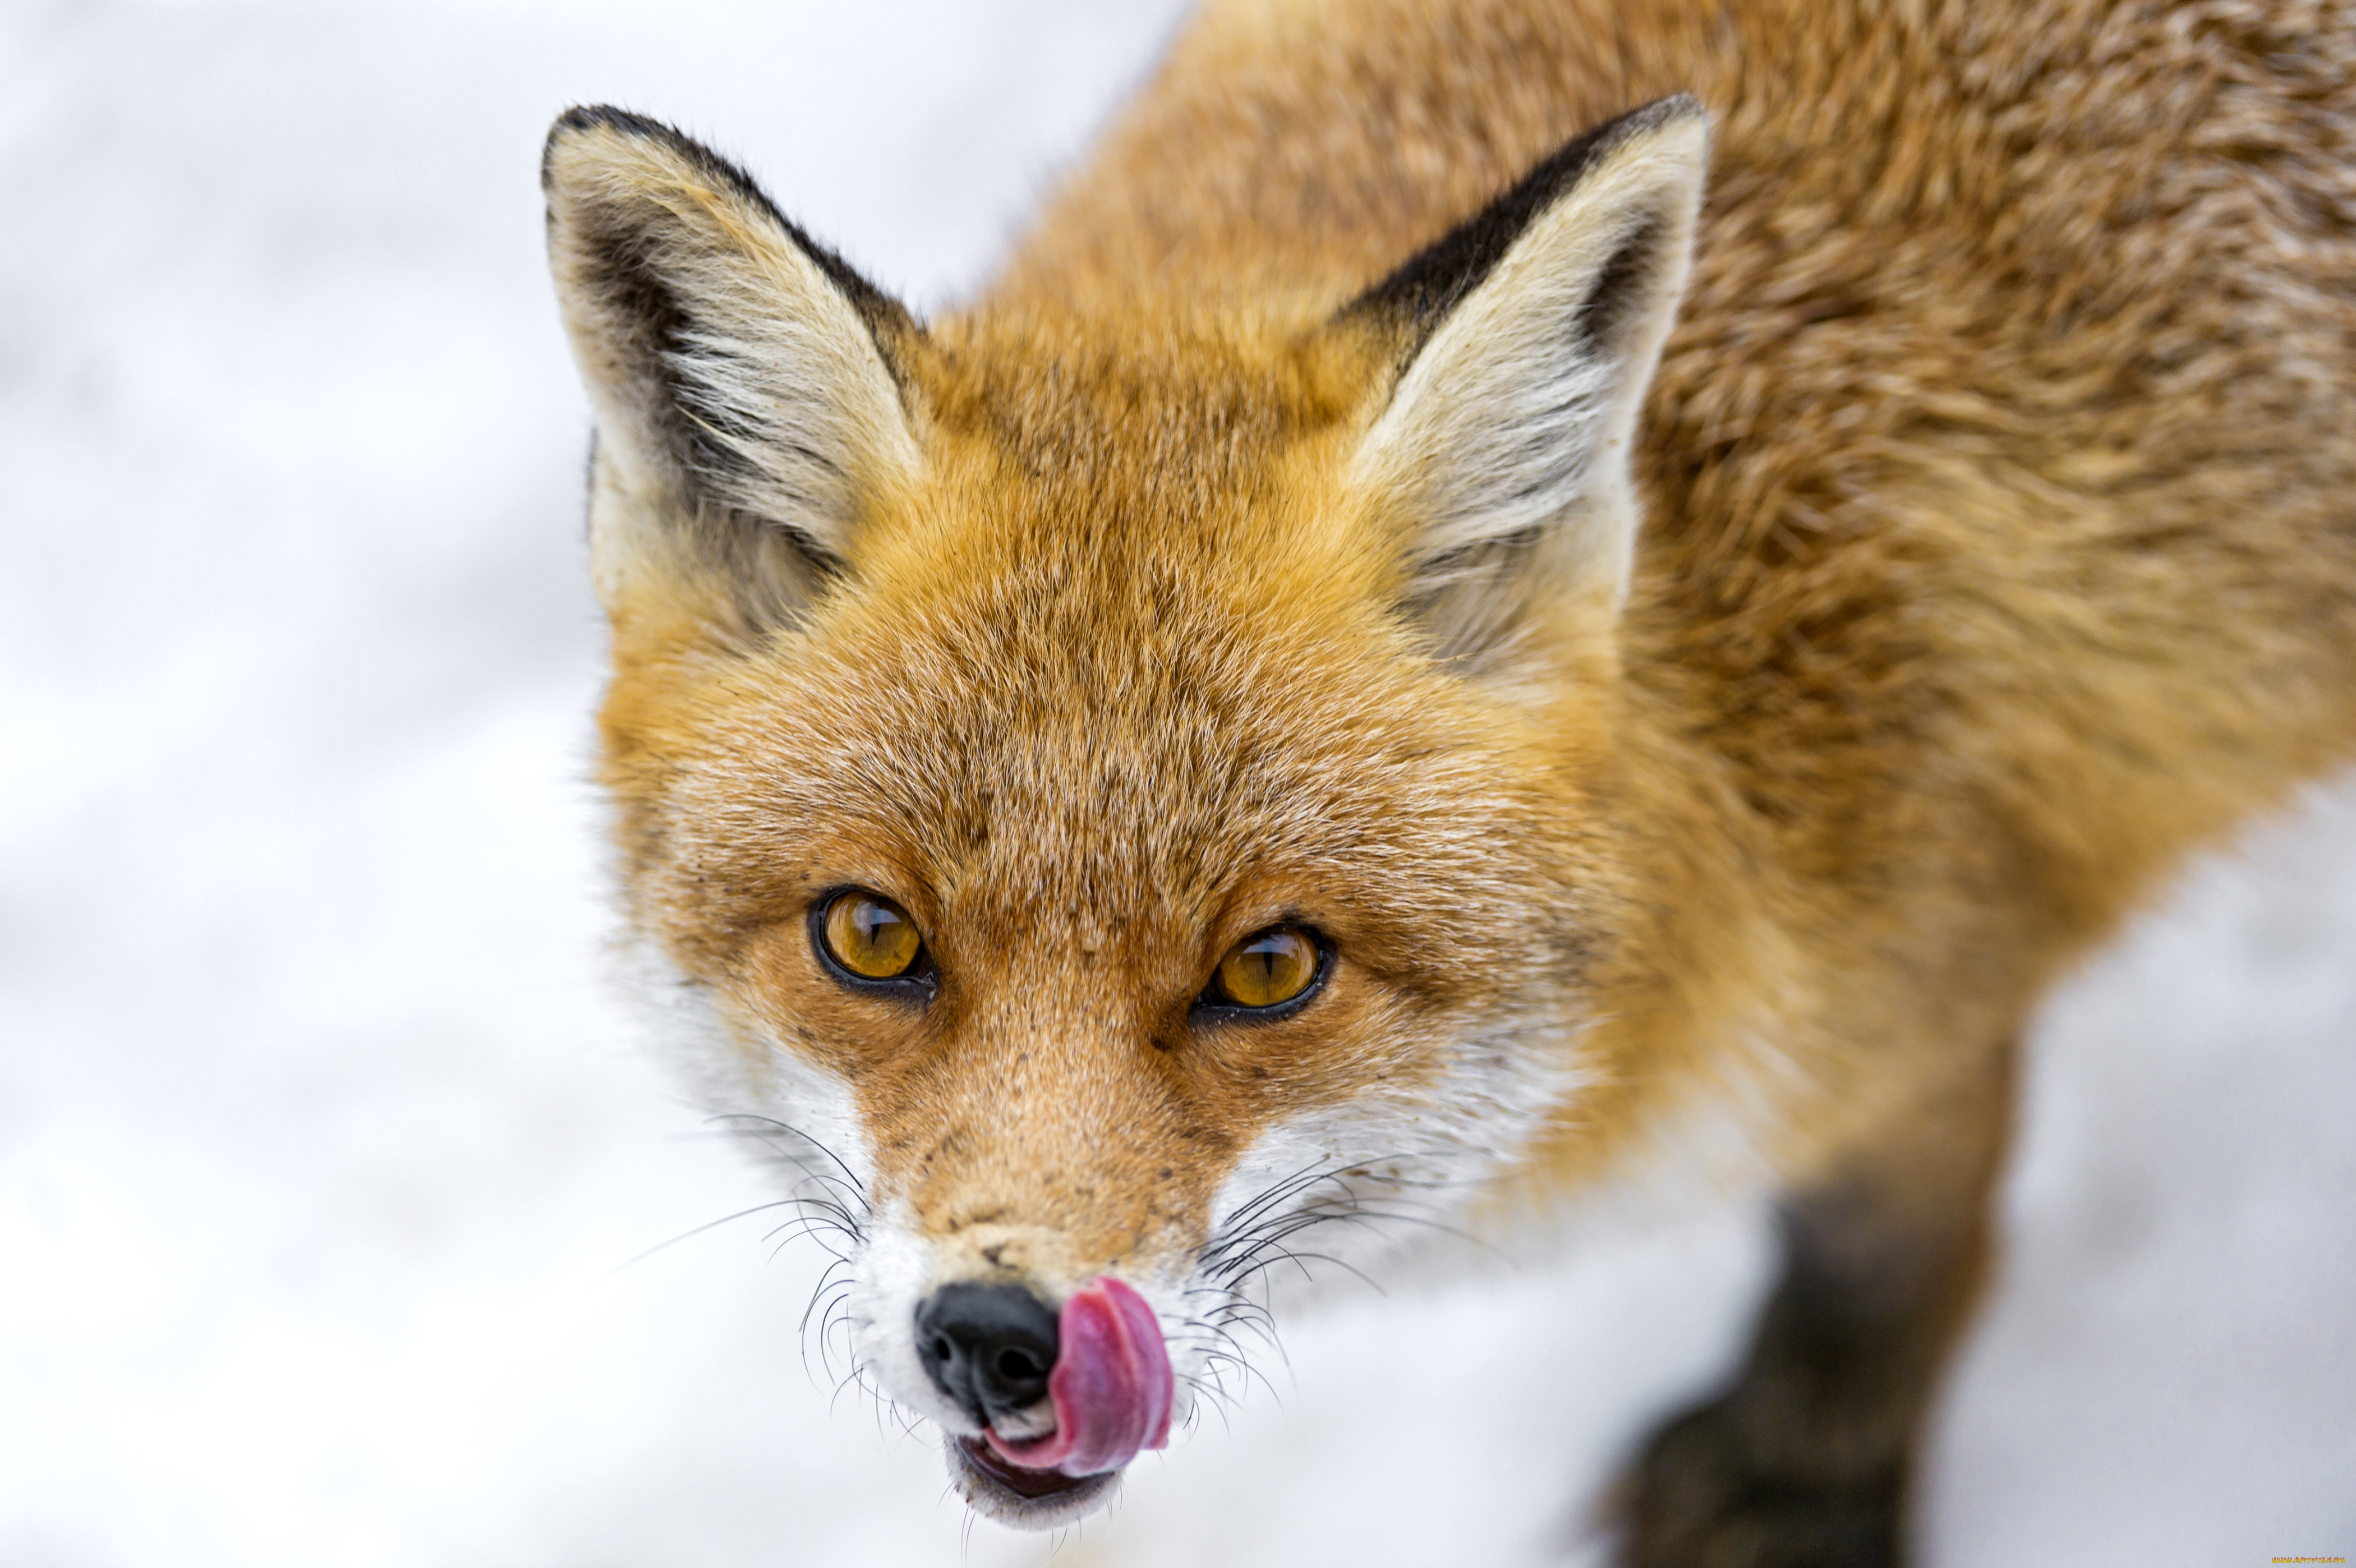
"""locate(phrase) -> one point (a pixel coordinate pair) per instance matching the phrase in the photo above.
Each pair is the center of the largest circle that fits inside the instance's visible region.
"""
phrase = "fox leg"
(1805, 1461)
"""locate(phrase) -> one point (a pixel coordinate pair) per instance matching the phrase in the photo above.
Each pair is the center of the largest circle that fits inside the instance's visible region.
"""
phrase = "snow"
(323, 1139)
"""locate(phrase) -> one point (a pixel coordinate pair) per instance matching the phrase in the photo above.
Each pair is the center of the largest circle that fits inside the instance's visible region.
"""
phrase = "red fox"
(1496, 583)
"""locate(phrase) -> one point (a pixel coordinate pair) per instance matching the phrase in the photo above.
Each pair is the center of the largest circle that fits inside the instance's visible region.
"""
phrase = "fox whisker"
(697, 1231)
(761, 1128)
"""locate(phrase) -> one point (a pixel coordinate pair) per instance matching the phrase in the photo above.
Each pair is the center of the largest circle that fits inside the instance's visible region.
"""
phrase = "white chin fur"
(992, 1498)
(1408, 1162)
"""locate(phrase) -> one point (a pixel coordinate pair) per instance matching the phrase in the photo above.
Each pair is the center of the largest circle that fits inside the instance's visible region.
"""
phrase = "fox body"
(1676, 563)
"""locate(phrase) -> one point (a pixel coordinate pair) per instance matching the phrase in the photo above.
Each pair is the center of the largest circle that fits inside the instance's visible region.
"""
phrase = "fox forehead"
(1118, 661)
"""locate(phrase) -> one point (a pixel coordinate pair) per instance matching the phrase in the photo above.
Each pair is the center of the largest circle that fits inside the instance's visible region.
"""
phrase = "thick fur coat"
(1703, 618)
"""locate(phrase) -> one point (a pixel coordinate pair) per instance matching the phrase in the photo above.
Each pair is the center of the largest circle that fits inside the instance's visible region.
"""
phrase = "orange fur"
(1997, 545)
(1998, 550)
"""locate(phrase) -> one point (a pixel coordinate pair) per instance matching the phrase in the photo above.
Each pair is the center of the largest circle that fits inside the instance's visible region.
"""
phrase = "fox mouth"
(1108, 1398)
(1015, 1495)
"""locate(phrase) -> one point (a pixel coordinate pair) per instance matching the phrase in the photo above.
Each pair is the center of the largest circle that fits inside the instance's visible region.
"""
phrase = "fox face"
(1123, 789)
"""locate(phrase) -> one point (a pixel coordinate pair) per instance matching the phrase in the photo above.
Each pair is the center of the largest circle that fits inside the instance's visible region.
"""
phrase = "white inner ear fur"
(775, 369)
(1506, 442)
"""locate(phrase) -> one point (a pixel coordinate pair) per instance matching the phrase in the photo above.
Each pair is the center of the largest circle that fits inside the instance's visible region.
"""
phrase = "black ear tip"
(590, 118)
(1676, 106)
(1679, 108)
(1430, 284)
(582, 119)
(1661, 114)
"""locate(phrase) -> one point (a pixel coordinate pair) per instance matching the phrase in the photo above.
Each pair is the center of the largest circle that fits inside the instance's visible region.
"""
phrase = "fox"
(1498, 599)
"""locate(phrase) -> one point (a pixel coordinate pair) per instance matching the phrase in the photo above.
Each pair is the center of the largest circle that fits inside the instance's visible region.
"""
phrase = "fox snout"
(1060, 1395)
(989, 1349)
(1078, 1391)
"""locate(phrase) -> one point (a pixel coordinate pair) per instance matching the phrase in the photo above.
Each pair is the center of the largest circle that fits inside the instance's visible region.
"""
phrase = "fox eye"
(869, 938)
(1267, 969)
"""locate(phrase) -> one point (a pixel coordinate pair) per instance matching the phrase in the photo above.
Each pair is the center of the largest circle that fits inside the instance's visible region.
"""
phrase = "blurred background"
(324, 1140)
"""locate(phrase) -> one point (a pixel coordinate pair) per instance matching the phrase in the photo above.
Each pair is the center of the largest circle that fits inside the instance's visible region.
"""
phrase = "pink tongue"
(1111, 1386)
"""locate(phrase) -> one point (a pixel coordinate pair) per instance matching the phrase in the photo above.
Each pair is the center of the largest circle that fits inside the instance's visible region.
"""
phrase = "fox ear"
(742, 374)
(1527, 338)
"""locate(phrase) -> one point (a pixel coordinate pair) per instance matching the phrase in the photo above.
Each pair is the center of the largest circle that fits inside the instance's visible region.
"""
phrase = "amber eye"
(871, 937)
(1267, 969)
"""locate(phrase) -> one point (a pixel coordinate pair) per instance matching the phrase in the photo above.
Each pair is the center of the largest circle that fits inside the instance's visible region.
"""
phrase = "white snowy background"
(322, 1138)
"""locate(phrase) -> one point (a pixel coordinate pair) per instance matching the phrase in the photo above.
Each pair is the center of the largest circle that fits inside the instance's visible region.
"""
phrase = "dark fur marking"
(639, 300)
(1807, 1459)
(1433, 282)
(705, 435)
(883, 315)
(1606, 310)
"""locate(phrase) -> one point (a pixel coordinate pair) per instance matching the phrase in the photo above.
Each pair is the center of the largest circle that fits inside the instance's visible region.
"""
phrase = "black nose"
(987, 1347)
